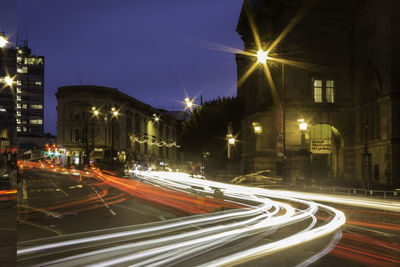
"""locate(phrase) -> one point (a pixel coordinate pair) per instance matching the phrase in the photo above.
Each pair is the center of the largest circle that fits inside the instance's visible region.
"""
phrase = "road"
(71, 218)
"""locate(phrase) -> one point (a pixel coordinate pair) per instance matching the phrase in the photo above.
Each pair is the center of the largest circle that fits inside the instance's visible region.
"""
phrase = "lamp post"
(366, 160)
(262, 58)
(112, 113)
(230, 140)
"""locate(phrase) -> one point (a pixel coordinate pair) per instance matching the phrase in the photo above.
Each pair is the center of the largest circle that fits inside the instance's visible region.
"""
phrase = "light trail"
(254, 211)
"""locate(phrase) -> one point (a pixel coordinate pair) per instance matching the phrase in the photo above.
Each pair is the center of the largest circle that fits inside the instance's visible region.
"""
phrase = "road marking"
(54, 214)
(41, 227)
(102, 200)
(60, 190)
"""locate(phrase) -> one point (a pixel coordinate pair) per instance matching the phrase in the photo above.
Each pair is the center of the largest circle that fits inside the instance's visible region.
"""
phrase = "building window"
(36, 106)
(330, 92)
(18, 129)
(317, 91)
(76, 135)
(18, 105)
(18, 113)
(324, 91)
(19, 90)
(24, 106)
(18, 121)
(38, 83)
(18, 97)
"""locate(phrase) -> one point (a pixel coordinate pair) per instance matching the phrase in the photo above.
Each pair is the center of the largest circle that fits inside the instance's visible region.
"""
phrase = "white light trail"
(265, 212)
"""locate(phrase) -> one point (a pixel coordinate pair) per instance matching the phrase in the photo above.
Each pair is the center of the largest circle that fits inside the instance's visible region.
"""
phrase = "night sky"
(158, 51)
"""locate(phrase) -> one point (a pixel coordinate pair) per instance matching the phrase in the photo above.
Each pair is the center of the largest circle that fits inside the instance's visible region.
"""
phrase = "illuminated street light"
(188, 102)
(231, 140)
(156, 118)
(262, 56)
(115, 113)
(9, 81)
(3, 41)
(302, 125)
(96, 112)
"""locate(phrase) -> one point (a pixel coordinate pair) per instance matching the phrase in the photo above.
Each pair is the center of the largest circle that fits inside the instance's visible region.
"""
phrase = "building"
(22, 95)
(338, 80)
(29, 90)
(8, 69)
(93, 121)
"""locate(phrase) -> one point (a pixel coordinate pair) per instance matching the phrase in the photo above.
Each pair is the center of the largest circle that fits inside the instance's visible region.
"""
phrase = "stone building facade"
(95, 120)
(339, 74)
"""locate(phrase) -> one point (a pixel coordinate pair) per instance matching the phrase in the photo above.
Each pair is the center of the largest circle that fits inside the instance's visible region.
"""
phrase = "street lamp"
(112, 113)
(262, 56)
(3, 40)
(9, 81)
(303, 128)
(231, 140)
(189, 103)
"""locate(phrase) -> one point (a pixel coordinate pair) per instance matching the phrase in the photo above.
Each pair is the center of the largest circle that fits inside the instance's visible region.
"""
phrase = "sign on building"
(321, 139)
(321, 146)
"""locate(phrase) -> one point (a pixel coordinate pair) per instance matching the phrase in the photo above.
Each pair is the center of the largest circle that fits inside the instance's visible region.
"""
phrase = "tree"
(207, 129)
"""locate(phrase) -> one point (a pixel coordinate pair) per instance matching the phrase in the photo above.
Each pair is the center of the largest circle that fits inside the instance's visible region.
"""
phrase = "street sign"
(321, 146)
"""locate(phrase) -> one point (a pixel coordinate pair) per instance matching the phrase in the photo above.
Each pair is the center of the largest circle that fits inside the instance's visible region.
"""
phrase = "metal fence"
(356, 192)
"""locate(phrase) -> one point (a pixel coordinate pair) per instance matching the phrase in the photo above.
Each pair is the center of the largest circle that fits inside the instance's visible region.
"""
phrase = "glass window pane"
(317, 83)
(317, 94)
(330, 83)
(330, 98)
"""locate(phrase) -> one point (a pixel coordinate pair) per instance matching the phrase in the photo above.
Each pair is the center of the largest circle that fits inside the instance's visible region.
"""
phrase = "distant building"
(22, 94)
(96, 123)
(347, 93)
(29, 90)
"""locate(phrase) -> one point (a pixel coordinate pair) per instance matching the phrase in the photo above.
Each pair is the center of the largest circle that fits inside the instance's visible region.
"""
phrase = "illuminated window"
(19, 82)
(24, 69)
(36, 106)
(24, 106)
(18, 97)
(19, 59)
(38, 83)
(330, 91)
(318, 91)
(35, 121)
(18, 113)
(24, 129)
(18, 105)
(19, 70)
(18, 121)
(324, 91)
(18, 129)
(19, 90)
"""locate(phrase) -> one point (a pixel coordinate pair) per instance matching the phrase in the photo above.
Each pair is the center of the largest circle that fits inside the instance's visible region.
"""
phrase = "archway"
(326, 147)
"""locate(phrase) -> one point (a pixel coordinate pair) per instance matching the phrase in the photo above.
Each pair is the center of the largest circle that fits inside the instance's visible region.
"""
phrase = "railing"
(356, 192)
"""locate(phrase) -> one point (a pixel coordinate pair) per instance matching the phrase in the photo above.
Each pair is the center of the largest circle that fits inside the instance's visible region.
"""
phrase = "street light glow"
(96, 112)
(262, 56)
(302, 125)
(231, 141)
(189, 103)
(115, 112)
(3, 41)
(9, 81)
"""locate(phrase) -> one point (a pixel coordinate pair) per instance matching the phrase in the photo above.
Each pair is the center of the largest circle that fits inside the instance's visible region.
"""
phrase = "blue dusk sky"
(158, 51)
